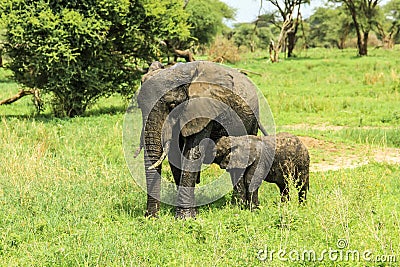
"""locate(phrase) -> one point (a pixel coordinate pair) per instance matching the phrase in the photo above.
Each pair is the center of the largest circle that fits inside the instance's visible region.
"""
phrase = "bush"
(223, 50)
(80, 51)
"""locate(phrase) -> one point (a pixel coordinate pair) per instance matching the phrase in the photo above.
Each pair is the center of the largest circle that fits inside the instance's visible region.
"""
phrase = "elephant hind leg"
(284, 190)
(303, 185)
(253, 202)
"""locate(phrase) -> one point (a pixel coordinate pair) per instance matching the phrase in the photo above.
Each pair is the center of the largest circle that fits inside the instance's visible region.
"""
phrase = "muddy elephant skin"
(206, 95)
(253, 159)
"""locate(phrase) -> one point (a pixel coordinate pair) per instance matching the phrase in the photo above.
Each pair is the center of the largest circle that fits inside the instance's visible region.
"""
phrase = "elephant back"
(214, 83)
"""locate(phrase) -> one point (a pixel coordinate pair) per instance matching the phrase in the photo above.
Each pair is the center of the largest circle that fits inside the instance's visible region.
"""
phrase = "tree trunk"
(360, 46)
(291, 43)
(274, 52)
(292, 32)
(387, 38)
(364, 44)
(186, 54)
(275, 48)
(362, 36)
(388, 42)
(252, 47)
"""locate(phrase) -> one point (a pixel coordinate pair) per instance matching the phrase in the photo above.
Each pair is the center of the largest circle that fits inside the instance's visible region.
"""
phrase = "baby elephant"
(252, 159)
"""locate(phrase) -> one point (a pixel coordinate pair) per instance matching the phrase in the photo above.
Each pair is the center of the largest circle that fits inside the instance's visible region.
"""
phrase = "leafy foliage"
(388, 23)
(330, 27)
(363, 14)
(249, 35)
(80, 51)
(206, 19)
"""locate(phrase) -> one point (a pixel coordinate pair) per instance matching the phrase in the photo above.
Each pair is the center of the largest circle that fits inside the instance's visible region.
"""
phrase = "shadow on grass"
(127, 207)
(112, 110)
(5, 80)
(221, 203)
(50, 118)
(296, 58)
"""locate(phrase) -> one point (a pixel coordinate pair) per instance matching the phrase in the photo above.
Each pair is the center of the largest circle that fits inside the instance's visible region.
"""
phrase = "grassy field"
(67, 197)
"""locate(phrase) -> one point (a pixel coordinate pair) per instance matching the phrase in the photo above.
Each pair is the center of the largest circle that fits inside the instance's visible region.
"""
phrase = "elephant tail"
(137, 152)
(262, 129)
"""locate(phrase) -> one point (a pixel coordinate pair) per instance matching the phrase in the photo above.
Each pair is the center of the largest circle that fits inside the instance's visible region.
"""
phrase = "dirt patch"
(326, 155)
(327, 127)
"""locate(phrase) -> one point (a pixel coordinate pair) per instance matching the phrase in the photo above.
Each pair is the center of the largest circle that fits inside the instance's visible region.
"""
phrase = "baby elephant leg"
(303, 185)
(251, 196)
(284, 190)
(239, 190)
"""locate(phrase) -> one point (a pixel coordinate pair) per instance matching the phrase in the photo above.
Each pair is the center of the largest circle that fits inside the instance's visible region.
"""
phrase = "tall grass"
(67, 197)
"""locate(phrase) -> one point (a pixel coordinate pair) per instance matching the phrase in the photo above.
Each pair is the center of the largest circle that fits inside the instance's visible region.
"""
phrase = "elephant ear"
(210, 94)
(242, 154)
(201, 108)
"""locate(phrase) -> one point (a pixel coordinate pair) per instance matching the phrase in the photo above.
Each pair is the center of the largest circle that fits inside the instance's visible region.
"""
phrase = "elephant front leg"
(186, 198)
(239, 190)
(191, 166)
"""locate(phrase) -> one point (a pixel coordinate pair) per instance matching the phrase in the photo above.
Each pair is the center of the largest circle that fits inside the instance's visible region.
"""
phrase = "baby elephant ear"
(243, 153)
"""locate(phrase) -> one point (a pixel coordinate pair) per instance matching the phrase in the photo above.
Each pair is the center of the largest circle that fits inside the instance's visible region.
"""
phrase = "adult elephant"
(183, 106)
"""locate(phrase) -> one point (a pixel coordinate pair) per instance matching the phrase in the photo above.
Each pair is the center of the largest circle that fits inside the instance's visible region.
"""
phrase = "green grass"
(331, 87)
(67, 197)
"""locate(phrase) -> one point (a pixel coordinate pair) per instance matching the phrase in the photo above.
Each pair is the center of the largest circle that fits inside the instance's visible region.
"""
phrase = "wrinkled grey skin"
(251, 159)
(161, 92)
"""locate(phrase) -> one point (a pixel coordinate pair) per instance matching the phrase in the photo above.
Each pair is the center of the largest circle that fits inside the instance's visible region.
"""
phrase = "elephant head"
(235, 153)
(248, 159)
(210, 92)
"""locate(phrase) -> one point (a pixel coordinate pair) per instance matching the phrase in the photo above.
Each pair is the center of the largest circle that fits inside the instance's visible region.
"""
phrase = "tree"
(330, 27)
(286, 9)
(206, 19)
(80, 51)
(363, 14)
(388, 23)
(245, 34)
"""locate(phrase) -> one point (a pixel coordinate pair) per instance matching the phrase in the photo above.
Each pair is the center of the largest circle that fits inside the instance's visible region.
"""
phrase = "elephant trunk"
(152, 154)
(153, 150)
(153, 182)
(161, 159)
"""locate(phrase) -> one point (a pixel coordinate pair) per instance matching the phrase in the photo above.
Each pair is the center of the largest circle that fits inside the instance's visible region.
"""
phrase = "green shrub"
(82, 50)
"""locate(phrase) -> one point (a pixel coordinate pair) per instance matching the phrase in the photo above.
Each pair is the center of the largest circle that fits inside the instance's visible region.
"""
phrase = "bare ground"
(327, 127)
(327, 155)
